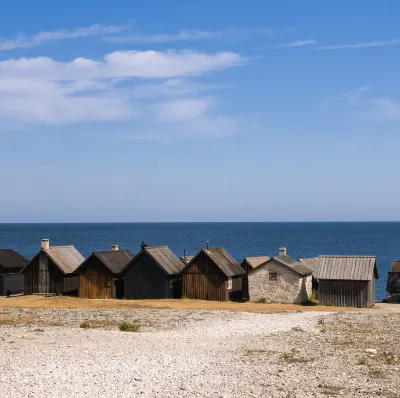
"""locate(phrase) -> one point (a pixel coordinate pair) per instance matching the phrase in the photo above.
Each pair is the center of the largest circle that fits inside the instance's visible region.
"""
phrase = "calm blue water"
(240, 239)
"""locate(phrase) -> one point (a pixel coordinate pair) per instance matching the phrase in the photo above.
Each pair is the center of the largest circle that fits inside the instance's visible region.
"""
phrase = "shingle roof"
(66, 258)
(395, 266)
(165, 258)
(311, 263)
(293, 264)
(358, 268)
(114, 260)
(255, 261)
(224, 261)
(11, 259)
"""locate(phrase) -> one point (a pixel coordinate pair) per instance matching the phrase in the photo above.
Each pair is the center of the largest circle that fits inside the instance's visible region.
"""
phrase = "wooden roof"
(66, 258)
(223, 260)
(356, 268)
(254, 262)
(114, 260)
(164, 257)
(11, 259)
(186, 259)
(395, 266)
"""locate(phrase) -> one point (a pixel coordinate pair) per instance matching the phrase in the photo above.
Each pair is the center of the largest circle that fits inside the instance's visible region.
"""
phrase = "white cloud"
(166, 105)
(120, 64)
(24, 41)
(190, 34)
(298, 43)
(361, 45)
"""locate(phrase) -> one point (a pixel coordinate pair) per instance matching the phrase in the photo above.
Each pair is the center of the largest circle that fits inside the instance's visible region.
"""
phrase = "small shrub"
(85, 325)
(60, 295)
(315, 295)
(330, 304)
(309, 303)
(128, 327)
(262, 300)
(362, 361)
(184, 298)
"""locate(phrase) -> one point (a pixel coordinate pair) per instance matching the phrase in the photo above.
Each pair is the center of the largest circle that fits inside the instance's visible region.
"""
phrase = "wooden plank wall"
(42, 276)
(202, 280)
(11, 284)
(344, 293)
(144, 279)
(95, 281)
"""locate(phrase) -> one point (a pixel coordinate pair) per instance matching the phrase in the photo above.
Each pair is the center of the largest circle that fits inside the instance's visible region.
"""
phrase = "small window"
(273, 276)
(171, 283)
(229, 282)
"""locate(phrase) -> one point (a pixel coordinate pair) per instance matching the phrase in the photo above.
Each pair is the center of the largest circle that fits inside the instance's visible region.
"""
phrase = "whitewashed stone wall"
(289, 288)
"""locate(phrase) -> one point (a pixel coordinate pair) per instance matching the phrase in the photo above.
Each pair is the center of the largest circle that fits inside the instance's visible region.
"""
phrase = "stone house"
(281, 279)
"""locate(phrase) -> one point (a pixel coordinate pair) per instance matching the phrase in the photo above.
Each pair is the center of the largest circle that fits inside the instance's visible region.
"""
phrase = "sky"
(227, 110)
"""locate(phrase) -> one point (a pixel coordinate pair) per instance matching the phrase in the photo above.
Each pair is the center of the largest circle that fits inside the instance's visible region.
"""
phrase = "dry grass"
(187, 304)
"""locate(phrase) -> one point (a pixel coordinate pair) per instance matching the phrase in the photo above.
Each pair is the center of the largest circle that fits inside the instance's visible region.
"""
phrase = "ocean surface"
(381, 239)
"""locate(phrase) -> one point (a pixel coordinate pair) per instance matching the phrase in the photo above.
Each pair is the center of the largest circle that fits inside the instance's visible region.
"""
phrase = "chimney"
(282, 251)
(45, 244)
(114, 247)
(184, 253)
(207, 242)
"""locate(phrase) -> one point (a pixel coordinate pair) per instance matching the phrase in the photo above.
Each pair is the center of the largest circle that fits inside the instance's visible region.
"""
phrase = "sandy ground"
(71, 302)
(198, 353)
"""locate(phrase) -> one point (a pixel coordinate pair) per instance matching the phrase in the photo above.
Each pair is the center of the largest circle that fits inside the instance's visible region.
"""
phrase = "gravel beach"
(196, 353)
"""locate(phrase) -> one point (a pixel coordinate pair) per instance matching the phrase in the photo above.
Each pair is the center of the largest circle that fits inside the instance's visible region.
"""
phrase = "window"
(171, 283)
(273, 276)
(229, 283)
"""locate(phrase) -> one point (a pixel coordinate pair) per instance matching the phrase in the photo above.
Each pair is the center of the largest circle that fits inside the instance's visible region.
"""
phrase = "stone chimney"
(282, 251)
(45, 244)
(114, 247)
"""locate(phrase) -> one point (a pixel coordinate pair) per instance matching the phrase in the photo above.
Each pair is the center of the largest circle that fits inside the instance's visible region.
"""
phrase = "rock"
(371, 350)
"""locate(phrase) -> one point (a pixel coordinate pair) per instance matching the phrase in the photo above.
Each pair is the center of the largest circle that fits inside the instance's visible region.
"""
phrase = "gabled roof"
(186, 259)
(395, 266)
(357, 268)
(163, 257)
(114, 260)
(291, 263)
(66, 258)
(11, 259)
(223, 260)
(311, 263)
(254, 262)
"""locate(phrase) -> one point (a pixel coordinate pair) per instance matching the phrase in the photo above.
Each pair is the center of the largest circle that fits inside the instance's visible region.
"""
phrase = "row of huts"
(212, 274)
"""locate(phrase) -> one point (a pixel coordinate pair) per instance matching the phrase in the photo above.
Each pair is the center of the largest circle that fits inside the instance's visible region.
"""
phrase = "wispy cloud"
(190, 34)
(170, 103)
(298, 43)
(361, 45)
(24, 41)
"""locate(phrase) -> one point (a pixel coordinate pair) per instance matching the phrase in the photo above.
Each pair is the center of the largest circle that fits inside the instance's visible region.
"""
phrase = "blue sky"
(199, 111)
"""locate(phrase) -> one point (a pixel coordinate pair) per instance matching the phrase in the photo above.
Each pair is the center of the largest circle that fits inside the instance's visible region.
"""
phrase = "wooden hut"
(153, 274)
(393, 282)
(11, 264)
(248, 264)
(213, 275)
(52, 270)
(281, 279)
(347, 281)
(99, 274)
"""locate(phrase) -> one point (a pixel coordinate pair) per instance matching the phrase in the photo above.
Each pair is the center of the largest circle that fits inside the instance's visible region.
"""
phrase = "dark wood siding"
(346, 293)
(393, 283)
(11, 284)
(71, 285)
(204, 281)
(96, 280)
(144, 279)
(42, 276)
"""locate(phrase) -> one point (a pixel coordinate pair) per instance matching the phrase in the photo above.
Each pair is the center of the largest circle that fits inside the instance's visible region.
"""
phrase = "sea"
(306, 239)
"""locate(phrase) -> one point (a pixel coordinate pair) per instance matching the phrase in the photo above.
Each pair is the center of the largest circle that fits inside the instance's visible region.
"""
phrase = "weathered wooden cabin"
(213, 274)
(153, 274)
(99, 274)
(281, 279)
(393, 282)
(347, 281)
(11, 264)
(52, 270)
(248, 264)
